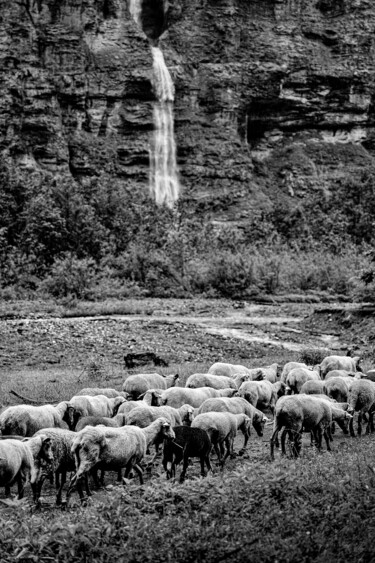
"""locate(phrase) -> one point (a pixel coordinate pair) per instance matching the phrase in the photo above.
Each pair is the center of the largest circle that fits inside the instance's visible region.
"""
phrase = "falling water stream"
(164, 181)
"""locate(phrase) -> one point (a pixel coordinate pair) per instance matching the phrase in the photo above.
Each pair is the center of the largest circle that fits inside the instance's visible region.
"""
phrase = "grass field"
(317, 508)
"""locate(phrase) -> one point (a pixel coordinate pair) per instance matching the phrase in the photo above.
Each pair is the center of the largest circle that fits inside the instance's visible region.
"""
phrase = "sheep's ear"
(265, 419)
(176, 377)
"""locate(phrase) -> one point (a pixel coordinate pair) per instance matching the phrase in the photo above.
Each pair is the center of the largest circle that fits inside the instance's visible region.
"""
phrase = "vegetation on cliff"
(100, 239)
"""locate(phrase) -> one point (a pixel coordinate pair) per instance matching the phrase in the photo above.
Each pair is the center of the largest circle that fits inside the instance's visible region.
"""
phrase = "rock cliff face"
(274, 98)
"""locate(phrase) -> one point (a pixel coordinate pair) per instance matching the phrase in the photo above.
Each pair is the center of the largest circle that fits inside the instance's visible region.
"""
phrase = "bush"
(71, 277)
(312, 356)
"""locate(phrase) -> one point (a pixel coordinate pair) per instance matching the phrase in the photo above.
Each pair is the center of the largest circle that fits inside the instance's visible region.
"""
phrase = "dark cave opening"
(153, 18)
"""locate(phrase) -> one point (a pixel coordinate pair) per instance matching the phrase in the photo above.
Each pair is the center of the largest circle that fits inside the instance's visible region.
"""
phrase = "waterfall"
(164, 182)
(135, 9)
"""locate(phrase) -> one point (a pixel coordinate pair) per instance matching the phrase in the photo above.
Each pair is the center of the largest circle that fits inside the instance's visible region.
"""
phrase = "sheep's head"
(166, 429)
(152, 397)
(187, 414)
(344, 422)
(357, 361)
(258, 375)
(87, 448)
(279, 388)
(71, 416)
(259, 421)
(117, 401)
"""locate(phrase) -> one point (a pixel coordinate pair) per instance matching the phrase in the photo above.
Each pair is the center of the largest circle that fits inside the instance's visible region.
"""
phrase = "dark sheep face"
(71, 417)
(258, 424)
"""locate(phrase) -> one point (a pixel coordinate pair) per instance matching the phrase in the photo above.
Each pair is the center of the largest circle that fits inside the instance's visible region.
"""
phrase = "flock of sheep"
(102, 429)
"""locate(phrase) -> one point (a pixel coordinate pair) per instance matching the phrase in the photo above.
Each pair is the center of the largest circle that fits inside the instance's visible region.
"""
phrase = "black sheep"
(189, 442)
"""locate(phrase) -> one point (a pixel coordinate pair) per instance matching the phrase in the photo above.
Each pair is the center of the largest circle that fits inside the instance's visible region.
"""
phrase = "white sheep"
(314, 387)
(361, 399)
(344, 373)
(152, 398)
(107, 391)
(136, 385)
(143, 416)
(178, 396)
(261, 394)
(97, 405)
(236, 405)
(270, 372)
(297, 377)
(25, 420)
(339, 362)
(227, 370)
(298, 413)
(222, 429)
(288, 367)
(115, 421)
(337, 388)
(18, 458)
(208, 380)
(115, 448)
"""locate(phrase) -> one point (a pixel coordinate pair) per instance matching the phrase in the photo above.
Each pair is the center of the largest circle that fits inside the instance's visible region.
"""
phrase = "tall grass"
(317, 508)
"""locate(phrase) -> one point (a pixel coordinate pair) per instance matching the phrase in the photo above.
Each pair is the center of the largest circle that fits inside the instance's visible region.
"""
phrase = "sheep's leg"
(371, 421)
(351, 426)
(87, 486)
(319, 437)
(184, 468)
(139, 470)
(218, 453)
(21, 480)
(61, 485)
(283, 439)
(274, 440)
(230, 448)
(246, 439)
(368, 426)
(37, 488)
(329, 433)
(327, 438)
(94, 474)
(360, 423)
(202, 460)
(208, 463)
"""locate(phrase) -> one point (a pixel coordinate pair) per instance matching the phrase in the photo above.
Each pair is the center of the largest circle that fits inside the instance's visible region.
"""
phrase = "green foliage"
(312, 356)
(129, 246)
(364, 282)
(317, 508)
(71, 277)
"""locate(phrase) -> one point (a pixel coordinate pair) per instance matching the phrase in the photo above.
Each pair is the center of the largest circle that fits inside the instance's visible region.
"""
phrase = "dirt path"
(180, 334)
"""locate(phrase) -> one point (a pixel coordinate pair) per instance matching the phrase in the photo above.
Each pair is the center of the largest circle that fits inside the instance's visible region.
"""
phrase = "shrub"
(71, 277)
(312, 356)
